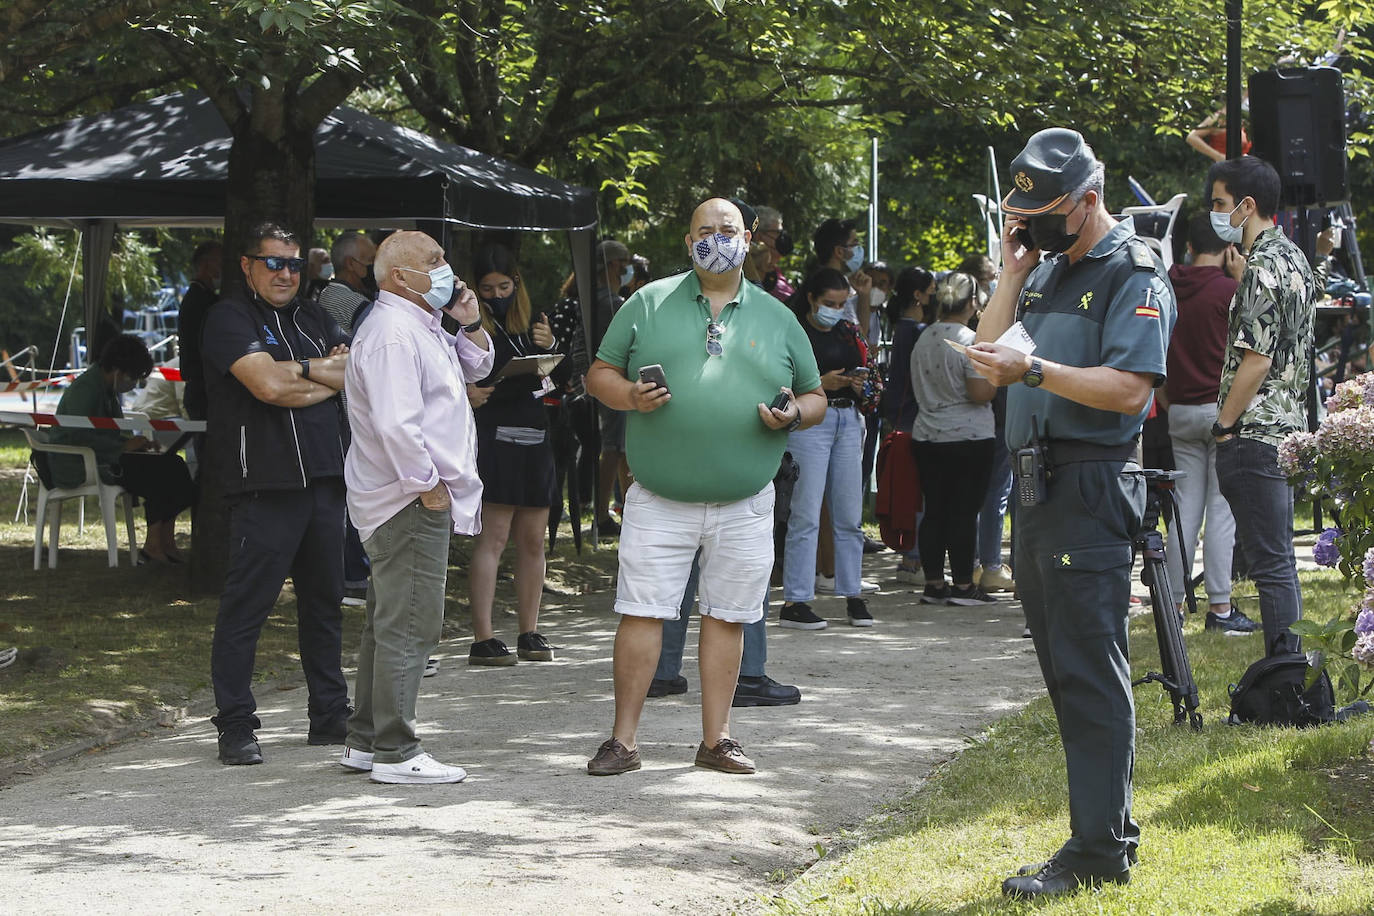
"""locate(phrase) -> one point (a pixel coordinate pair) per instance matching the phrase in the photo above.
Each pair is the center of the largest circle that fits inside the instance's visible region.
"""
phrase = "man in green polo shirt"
(703, 452)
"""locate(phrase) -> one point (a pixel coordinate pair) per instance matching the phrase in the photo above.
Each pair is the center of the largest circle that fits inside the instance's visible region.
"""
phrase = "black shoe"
(332, 731)
(354, 597)
(533, 647)
(872, 546)
(1053, 879)
(1132, 857)
(238, 746)
(799, 616)
(969, 596)
(764, 691)
(660, 687)
(491, 652)
(935, 594)
(610, 528)
(857, 609)
(1233, 624)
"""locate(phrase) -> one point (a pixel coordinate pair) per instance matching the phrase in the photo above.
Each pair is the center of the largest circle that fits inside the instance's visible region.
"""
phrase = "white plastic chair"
(109, 495)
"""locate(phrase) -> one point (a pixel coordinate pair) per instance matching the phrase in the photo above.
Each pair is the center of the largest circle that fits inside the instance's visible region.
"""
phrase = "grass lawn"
(101, 647)
(1233, 820)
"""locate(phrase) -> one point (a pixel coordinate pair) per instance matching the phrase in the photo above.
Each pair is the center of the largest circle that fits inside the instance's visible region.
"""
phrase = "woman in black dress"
(514, 459)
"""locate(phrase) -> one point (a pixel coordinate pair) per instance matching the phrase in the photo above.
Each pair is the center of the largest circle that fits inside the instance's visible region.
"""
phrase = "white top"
(411, 420)
(938, 375)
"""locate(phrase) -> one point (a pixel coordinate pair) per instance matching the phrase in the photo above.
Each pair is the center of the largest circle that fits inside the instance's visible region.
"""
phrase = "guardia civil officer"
(1100, 311)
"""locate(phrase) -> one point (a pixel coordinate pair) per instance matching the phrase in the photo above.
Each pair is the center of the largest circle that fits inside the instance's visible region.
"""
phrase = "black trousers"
(954, 480)
(273, 534)
(161, 480)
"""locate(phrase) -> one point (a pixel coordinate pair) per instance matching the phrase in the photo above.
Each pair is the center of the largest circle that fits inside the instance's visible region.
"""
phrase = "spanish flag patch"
(1148, 309)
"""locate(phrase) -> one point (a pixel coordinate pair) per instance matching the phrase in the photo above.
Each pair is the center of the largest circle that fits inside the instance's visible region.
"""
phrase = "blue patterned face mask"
(720, 253)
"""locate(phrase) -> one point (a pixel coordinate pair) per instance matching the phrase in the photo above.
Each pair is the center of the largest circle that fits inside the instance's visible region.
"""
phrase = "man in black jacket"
(274, 363)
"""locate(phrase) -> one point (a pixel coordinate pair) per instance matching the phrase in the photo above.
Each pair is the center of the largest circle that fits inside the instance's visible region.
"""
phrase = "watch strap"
(305, 368)
(475, 326)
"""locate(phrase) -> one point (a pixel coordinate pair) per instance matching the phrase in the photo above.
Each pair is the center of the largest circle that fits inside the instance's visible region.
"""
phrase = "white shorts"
(660, 536)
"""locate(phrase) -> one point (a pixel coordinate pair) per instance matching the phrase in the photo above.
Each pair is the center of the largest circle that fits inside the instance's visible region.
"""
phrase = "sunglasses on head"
(276, 262)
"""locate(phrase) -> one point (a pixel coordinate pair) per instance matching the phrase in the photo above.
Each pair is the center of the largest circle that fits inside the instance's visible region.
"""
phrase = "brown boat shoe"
(612, 759)
(726, 757)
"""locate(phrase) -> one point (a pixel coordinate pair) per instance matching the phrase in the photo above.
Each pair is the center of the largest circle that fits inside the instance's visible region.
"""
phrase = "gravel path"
(158, 824)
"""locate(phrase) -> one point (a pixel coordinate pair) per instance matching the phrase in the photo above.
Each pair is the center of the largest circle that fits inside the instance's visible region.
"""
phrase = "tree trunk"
(271, 177)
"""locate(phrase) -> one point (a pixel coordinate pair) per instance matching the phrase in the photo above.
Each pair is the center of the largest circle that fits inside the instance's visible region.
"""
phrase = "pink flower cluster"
(1363, 652)
(1348, 434)
(1298, 453)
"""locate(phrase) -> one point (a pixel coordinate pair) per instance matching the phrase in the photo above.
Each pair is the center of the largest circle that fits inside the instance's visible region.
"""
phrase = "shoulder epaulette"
(1141, 255)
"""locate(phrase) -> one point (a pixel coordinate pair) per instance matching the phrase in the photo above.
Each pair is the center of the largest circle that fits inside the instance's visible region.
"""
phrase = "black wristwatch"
(475, 326)
(305, 368)
(1035, 374)
(796, 422)
(1218, 430)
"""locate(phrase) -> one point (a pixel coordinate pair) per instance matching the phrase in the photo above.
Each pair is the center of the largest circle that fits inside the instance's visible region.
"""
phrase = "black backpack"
(1273, 691)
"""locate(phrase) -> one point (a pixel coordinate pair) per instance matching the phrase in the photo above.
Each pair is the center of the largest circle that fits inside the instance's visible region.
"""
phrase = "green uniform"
(707, 444)
(1114, 307)
(87, 396)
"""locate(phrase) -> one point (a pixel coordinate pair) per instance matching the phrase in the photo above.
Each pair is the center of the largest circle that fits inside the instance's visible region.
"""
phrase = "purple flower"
(1364, 623)
(1297, 453)
(1325, 552)
(1369, 566)
(1364, 650)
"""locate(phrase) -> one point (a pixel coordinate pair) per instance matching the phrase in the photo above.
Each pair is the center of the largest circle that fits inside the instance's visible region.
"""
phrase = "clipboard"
(539, 364)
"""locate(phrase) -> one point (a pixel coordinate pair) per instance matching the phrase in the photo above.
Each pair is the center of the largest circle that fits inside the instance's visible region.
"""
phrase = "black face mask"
(783, 243)
(1049, 232)
(369, 281)
(499, 306)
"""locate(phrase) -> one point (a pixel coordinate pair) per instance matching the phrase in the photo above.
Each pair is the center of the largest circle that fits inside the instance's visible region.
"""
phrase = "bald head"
(400, 257)
(715, 215)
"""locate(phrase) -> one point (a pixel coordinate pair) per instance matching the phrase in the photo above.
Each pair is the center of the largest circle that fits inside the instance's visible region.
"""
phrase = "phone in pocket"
(654, 374)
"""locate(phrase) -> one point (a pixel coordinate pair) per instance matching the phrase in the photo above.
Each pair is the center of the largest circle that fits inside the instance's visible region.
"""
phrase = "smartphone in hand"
(782, 401)
(654, 374)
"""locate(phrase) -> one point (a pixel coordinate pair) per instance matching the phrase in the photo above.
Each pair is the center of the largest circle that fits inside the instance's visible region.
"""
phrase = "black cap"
(1053, 164)
(747, 214)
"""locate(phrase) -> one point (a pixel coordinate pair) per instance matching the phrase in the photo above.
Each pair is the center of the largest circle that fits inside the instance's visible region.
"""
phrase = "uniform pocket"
(1090, 588)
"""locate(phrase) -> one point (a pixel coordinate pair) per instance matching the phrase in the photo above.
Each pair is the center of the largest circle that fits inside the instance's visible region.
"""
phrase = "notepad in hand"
(539, 364)
(957, 347)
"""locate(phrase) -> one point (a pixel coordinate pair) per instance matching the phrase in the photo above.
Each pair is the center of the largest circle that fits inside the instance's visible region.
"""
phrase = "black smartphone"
(782, 401)
(654, 373)
(1023, 236)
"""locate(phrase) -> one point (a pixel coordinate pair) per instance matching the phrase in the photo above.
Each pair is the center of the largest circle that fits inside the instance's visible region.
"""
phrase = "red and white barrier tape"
(51, 419)
(170, 373)
(32, 386)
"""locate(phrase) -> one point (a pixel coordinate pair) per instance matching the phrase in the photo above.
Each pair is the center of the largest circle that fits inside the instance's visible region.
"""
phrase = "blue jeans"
(675, 638)
(1262, 503)
(994, 505)
(830, 458)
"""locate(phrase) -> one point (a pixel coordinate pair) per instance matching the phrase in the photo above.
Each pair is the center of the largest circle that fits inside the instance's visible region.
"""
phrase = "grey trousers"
(405, 615)
(1199, 494)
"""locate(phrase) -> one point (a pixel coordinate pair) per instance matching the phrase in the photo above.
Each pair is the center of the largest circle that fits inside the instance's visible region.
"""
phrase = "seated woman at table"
(132, 462)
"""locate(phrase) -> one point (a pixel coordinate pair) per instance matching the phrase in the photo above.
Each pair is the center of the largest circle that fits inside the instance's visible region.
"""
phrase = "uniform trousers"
(273, 534)
(1073, 571)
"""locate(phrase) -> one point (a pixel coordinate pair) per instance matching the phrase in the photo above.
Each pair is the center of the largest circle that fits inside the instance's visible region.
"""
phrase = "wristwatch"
(475, 326)
(1035, 374)
(796, 421)
(305, 368)
(1218, 430)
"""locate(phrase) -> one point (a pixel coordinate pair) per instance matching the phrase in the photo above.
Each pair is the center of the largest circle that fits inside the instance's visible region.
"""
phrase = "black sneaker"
(354, 597)
(661, 687)
(799, 616)
(490, 652)
(857, 609)
(969, 596)
(332, 731)
(764, 691)
(1233, 624)
(238, 746)
(935, 594)
(533, 647)
(872, 546)
(610, 528)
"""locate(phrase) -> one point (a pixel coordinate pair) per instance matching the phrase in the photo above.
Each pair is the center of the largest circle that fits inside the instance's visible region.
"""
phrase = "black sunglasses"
(277, 262)
(714, 347)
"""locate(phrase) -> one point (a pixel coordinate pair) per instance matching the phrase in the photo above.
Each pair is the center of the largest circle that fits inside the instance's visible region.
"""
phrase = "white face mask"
(720, 253)
(440, 286)
(1221, 225)
(327, 271)
(627, 275)
(827, 317)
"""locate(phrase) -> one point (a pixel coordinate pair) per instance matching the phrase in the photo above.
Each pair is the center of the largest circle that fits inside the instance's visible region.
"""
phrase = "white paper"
(1017, 338)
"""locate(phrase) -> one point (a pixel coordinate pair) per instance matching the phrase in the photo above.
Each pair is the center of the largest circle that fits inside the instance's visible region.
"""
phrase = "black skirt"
(514, 475)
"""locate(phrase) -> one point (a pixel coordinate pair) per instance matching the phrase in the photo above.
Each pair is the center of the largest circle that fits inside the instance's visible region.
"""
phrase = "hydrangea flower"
(1348, 434)
(1369, 566)
(1297, 453)
(1325, 552)
(1348, 395)
(1364, 623)
(1364, 650)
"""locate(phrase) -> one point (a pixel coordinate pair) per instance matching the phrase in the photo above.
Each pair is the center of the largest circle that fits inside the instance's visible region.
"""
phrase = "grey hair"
(955, 292)
(1095, 181)
(345, 247)
(769, 218)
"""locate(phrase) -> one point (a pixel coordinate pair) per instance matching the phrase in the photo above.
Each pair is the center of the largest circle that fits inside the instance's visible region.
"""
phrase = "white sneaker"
(421, 769)
(431, 667)
(825, 584)
(867, 585)
(354, 759)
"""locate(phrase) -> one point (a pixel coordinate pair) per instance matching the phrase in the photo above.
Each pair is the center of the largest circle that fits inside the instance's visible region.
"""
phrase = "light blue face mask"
(827, 317)
(627, 275)
(856, 260)
(440, 285)
(1221, 225)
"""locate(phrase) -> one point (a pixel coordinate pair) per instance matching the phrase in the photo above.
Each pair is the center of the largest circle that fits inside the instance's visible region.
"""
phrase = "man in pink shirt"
(412, 482)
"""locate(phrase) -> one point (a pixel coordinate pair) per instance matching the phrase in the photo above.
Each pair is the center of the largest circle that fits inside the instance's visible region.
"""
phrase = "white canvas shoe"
(421, 769)
(354, 759)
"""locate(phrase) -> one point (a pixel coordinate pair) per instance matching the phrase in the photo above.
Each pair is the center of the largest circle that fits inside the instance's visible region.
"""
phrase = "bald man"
(698, 360)
(412, 483)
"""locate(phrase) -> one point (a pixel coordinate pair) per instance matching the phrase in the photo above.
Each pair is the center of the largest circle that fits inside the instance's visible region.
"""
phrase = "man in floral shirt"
(1264, 383)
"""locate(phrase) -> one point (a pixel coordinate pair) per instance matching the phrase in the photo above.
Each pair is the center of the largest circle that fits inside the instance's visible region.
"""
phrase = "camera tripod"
(1177, 677)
